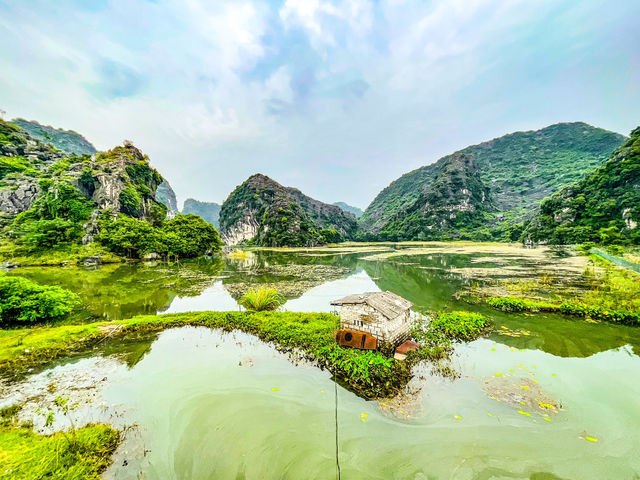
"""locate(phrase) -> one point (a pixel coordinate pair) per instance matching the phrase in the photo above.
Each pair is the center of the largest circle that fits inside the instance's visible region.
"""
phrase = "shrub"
(129, 236)
(189, 236)
(262, 299)
(16, 164)
(130, 201)
(185, 236)
(51, 233)
(24, 301)
(460, 326)
(511, 304)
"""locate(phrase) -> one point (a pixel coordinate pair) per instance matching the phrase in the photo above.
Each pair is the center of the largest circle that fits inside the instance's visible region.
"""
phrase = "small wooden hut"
(384, 315)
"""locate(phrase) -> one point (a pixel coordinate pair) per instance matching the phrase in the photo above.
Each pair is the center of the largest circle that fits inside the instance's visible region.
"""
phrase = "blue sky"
(335, 97)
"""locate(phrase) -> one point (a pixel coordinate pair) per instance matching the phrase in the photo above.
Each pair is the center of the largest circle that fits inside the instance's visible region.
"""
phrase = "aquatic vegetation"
(24, 301)
(262, 299)
(25, 455)
(239, 255)
(445, 327)
(515, 304)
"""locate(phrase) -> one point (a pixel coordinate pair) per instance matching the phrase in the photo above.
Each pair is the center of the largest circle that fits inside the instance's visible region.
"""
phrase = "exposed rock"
(91, 261)
(166, 195)
(18, 199)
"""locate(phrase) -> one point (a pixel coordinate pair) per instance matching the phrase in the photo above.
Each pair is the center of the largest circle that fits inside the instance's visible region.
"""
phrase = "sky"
(335, 97)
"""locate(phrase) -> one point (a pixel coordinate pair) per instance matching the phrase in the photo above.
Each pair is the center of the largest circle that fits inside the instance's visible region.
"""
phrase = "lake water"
(208, 404)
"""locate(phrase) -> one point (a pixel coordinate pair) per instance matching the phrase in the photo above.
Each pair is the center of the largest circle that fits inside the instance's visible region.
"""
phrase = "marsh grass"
(25, 455)
(239, 255)
(262, 299)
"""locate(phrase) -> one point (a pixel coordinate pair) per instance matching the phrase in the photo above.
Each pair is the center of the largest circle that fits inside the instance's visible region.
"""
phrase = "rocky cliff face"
(120, 180)
(22, 161)
(266, 213)
(517, 171)
(67, 140)
(604, 206)
(209, 211)
(166, 196)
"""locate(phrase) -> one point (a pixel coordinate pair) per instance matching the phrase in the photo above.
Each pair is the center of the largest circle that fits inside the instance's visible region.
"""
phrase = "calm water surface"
(215, 405)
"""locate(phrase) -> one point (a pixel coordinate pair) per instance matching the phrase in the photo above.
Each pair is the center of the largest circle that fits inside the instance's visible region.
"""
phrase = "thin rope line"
(335, 385)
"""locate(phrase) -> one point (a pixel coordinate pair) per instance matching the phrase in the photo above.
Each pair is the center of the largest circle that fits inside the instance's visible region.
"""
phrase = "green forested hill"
(455, 201)
(264, 212)
(602, 207)
(349, 209)
(515, 172)
(209, 211)
(67, 140)
(52, 201)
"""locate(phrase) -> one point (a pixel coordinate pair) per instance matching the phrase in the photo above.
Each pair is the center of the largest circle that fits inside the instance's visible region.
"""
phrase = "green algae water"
(542, 397)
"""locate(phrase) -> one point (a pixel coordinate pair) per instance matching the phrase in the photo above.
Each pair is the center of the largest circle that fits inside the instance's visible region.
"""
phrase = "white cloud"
(337, 97)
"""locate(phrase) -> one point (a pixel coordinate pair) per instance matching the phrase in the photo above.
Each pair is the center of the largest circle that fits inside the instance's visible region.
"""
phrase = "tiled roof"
(387, 303)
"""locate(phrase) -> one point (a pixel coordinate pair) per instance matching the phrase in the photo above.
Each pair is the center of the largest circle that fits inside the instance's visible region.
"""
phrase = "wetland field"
(530, 399)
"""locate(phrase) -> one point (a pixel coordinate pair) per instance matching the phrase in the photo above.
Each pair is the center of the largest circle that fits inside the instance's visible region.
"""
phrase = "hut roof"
(387, 303)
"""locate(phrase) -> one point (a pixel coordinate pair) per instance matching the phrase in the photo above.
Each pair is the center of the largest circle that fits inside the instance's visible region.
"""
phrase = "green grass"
(370, 374)
(262, 299)
(71, 254)
(25, 455)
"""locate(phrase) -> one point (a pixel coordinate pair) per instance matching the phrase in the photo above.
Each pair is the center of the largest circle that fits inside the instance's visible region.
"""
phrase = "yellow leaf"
(274, 389)
(547, 419)
(498, 374)
(524, 387)
(591, 439)
(524, 413)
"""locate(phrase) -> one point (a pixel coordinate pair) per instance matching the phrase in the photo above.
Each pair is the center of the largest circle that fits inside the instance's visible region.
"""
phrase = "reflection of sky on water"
(213, 298)
(318, 298)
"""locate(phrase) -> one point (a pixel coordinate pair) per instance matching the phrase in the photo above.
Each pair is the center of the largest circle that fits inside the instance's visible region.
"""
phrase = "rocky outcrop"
(264, 212)
(18, 199)
(244, 229)
(120, 180)
(166, 196)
